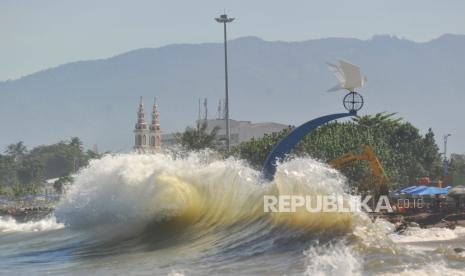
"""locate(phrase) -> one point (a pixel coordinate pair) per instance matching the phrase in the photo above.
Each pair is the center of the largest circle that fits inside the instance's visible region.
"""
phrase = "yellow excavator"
(379, 184)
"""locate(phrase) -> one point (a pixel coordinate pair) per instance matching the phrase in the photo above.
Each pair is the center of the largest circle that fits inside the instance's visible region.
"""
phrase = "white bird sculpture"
(349, 76)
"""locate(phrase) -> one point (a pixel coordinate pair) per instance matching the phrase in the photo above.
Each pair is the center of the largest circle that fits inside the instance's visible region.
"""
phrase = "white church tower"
(155, 133)
(141, 132)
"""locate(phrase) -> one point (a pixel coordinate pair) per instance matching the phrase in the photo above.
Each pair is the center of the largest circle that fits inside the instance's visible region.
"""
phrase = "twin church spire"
(147, 138)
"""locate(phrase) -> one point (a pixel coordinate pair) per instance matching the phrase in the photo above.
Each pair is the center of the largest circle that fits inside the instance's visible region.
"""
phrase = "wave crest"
(10, 225)
(132, 191)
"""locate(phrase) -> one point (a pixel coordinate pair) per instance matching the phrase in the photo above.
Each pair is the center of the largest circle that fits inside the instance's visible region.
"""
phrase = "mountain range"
(278, 81)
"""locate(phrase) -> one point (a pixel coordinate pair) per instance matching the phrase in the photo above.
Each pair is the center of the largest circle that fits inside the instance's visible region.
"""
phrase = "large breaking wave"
(131, 192)
(211, 210)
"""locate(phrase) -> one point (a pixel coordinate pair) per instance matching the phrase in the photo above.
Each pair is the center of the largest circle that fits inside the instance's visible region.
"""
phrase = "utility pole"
(446, 172)
(224, 20)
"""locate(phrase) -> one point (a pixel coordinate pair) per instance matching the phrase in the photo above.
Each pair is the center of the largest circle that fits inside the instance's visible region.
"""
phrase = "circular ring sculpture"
(285, 145)
(353, 101)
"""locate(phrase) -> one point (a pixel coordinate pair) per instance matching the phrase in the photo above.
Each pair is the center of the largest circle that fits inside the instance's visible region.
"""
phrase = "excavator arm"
(381, 185)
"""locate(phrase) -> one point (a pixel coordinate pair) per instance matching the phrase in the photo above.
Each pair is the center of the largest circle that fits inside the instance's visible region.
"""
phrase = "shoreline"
(27, 213)
(440, 219)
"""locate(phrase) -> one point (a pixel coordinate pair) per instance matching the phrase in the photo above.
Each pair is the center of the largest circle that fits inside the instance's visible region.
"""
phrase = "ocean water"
(197, 215)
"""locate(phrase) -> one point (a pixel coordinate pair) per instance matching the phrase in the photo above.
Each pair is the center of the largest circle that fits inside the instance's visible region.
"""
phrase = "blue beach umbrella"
(431, 191)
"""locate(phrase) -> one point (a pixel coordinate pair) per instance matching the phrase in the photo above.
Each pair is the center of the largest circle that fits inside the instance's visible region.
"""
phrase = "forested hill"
(269, 81)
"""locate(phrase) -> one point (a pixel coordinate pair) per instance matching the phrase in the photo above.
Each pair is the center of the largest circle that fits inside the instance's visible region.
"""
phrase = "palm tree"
(198, 138)
(76, 142)
(377, 119)
(17, 151)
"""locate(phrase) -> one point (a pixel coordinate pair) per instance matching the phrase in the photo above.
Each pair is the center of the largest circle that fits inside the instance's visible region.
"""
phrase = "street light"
(224, 19)
(445, 154)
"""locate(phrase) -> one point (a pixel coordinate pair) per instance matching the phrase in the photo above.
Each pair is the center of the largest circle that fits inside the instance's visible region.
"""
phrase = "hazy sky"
(40, 34)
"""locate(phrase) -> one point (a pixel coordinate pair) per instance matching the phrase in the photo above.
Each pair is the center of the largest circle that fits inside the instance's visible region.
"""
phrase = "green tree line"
(23, 171)
(405, 153)
(457, 168)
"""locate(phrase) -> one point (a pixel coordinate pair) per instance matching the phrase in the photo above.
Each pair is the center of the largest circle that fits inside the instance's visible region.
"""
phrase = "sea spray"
(213, 204)
(307, 177)
(128, 192)
(202, 214)
(332, 259)
(132, 190)
(10, 225)
(417, 234)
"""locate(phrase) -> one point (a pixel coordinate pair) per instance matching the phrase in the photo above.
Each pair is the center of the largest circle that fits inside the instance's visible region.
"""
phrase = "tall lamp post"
(224, 19)
(445, 154)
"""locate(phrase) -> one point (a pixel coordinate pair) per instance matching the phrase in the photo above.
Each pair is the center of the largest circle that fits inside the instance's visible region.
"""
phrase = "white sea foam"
(334, 259)
(177, 273)
(416, 234)
(133, 190)
(200, 196)
(10, 225)
(436, 268)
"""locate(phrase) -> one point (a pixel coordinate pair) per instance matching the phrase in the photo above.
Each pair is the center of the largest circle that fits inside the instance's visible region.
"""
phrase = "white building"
(241, 131)
(147, 139)
(48, 188)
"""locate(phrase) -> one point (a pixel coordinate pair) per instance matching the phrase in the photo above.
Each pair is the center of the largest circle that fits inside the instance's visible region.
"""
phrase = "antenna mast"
(220, 110)
(199, 116)
(205, 106)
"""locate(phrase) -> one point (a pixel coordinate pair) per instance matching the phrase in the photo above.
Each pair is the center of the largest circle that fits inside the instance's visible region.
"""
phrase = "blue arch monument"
(353, 102)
